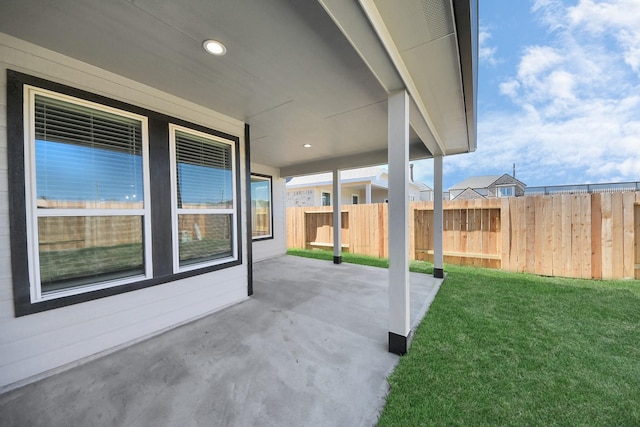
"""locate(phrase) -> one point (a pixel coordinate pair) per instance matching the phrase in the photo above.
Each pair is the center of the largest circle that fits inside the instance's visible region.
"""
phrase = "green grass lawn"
(500, 348)
(416, 266)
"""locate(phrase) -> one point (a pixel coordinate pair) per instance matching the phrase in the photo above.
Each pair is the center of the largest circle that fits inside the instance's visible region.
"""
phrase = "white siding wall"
(426, 196)
(347, 192)
(415, 192)
(379, 195)
(263, 249)
(34, 344)
(318, 194)
(316, 200)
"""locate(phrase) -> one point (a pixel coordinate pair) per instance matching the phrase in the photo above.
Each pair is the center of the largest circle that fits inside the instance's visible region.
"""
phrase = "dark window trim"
(322, 193)
(270, 177)
(247, 177)
(162, 253)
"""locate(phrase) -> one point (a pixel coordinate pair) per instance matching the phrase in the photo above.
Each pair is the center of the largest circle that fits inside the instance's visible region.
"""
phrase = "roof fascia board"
(465, 15)
(356, 181)
(417, 151)
(372, 158)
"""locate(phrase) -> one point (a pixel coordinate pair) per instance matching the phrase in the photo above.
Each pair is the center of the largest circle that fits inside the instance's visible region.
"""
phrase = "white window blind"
(84, 154)
(204, 172)
(61, 121)
(89, 218)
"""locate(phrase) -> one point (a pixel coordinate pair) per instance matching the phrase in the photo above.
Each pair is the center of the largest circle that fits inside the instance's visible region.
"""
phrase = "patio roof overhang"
(316, 73)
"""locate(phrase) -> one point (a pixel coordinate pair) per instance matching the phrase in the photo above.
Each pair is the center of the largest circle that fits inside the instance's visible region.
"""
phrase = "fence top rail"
(609, 187)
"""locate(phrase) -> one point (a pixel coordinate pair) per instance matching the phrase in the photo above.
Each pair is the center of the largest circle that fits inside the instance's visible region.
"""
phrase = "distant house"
(364, 185)
(488, 186)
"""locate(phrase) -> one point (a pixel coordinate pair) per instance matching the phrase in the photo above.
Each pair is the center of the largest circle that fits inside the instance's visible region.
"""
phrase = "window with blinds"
(88, 211)
(203, 182)
(87, 222)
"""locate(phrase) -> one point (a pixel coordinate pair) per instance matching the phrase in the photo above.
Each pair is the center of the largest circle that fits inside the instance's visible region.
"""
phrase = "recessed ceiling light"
(307, 145)
(214, 47)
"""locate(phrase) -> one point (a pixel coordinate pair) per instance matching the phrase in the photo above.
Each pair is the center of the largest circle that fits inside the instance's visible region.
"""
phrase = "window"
(84, 210)
(326, 199)
(203, 198)
(261, 214)
(505, 191)
(354, 199)
(87, 195)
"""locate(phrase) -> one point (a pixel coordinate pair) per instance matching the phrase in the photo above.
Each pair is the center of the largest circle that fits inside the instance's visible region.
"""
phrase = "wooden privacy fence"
(571, 235)
(364, 228)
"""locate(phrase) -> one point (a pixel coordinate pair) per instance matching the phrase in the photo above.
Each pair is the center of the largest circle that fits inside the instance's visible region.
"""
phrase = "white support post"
(367, 194)
(398, 146)
(438, 255)
(337, 218)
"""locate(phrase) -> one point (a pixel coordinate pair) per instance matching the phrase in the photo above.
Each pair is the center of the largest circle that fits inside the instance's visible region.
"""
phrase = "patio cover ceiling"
(316, 72)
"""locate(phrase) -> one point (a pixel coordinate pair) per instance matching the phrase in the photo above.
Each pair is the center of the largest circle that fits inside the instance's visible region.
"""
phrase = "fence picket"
(628, 238)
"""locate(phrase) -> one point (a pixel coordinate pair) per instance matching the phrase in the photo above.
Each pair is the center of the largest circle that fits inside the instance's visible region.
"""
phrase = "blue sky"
(558, 94)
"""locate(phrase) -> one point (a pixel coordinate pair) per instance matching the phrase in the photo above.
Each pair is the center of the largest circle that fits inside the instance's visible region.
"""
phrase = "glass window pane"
(78, 250)
(204, 237)
(86, 158)
(204, 171)
(260, 206)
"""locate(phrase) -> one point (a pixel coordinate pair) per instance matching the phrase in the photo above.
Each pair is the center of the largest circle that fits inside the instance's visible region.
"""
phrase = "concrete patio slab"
(308, 349)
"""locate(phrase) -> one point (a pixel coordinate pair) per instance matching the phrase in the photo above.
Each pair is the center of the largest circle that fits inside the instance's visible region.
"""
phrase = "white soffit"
(419, 40)
(297, 71)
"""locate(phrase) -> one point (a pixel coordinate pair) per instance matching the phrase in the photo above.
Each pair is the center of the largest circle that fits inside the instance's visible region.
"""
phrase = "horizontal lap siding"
(33, 344)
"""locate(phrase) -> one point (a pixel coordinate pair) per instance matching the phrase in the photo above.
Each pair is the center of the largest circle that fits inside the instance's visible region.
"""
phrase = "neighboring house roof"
(422, 186)
(468, 194)
(475, 182)
(483, 181)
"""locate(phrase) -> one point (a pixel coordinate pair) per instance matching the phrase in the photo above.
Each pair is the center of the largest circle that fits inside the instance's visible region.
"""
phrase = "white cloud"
(485, 52)
(510, 88)
(561, 84)
(631, 40)
(536, 60)
(550, 12)
(577, 115)
(620, 18)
